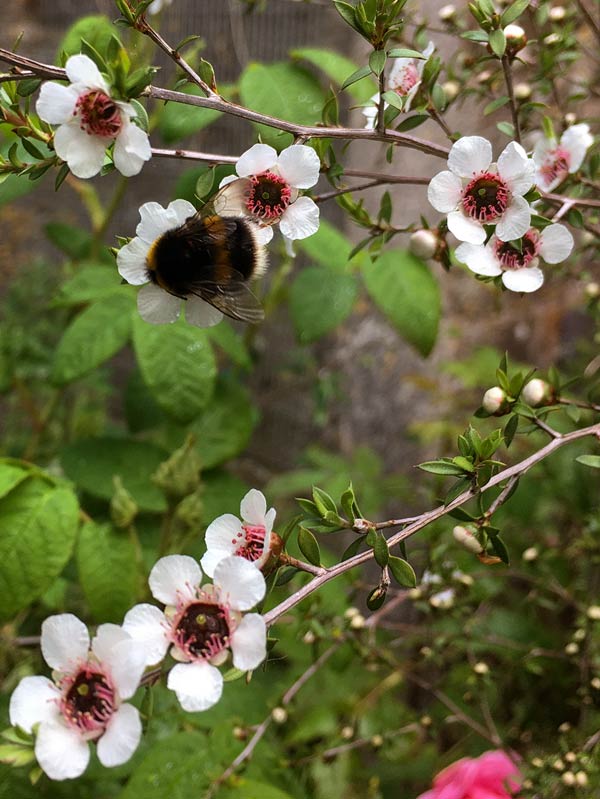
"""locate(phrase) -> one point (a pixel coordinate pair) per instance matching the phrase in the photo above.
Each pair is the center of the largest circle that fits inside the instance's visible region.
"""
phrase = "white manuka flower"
(201, 623)
(404, 79)
(250, 539)
(476, 192)
(157, 5)
(155, 304)
(554, 161)
(90, 121)
(518, 267)
(85, 701)
(271, 184)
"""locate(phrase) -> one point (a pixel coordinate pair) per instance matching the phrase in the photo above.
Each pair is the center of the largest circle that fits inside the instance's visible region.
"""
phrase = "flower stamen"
(202, 630)
(269, 196)
(556, 166)
(511, 258)
(88, 701)
(99, 115)
(486, 197)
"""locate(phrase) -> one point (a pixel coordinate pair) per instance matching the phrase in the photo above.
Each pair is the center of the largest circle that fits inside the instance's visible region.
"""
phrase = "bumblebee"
(213, 257)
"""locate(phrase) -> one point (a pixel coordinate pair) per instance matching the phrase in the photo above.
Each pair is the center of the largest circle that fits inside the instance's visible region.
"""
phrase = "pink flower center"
(486, 197)
(406, 79)
(512, 258)
(88, 701)
(99, 115)
(555, 166)
(250, 542)
(269, 196)
(202, 630)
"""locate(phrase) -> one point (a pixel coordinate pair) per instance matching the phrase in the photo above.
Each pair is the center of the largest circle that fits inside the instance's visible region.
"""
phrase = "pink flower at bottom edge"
(493, 775)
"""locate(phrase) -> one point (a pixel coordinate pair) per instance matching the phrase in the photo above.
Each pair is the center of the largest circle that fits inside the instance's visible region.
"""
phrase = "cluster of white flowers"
(200, 624)
(487, 210)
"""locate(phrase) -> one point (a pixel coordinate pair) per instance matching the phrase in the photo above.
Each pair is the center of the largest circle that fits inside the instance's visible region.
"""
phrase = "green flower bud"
(180, 474)
(123, 507)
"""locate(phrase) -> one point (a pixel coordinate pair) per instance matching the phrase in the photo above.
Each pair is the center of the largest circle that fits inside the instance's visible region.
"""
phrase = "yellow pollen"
(201, 619)
(83, 689)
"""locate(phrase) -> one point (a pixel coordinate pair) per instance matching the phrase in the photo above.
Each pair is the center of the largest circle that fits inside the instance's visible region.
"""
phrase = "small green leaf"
(593, 461)
(308, 546)
(498, 42)
(337, 67)
(443, 467)
(513, 12)
(376, 598)
(380, 550)
(402, 571)
(357, 75)
(323, 501)
(405, 52)
(377, 61)
(352, 550)
(464, 463)
(495, 105)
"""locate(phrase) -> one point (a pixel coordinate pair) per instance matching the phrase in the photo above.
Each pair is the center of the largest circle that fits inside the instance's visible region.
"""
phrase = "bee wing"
(231, 198)
(233, 298)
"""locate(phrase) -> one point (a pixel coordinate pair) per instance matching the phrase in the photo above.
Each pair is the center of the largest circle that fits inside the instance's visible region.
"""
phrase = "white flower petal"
(299, 165)
(515, 221)
(106, 638)
(211, 559)
(83, 152)
(469, 156)
(174, 577)
(240, 583)
(198, 685)
(81, 69)
(370, 113)
(465, 228)
(65, 641)
(56, 103)
(121, 738)
(259, 158)
(253, 507)
(147, 625)
(231, 200)
(201, 313)
(479, 258)
(263, 234)
(220, 533)
(516, 169)
(249, 642)
(444, 191)
(154, 221)
(60, 751)
(179, 211)
(127, 662)
(523, 280)
(556, 243)
(542, 149)
(132, 149)
(300, 219)
(228, 179)
(577, 140)
(131, 262)
(157, 306)
(270, 519)
(34, 699)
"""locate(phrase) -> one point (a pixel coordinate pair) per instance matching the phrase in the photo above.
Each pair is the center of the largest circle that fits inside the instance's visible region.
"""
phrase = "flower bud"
(443, 600)
(190, 510)
(564, 727)
(123, 507)
(357, 622)
(377, 741)
(557, 13)
(570, 757)
(558, 765)
(481, 668)
(531, 554)
(593, 612)
(515, 39)
(572, 648)
(537, 393)
(595, 683)
(537, 762)
(581, 779)
(279, 715)
(447, 13)
(464, 537)
(180, 474)
(570, 118)
(551, 39)
(592, 290)
(495, 401)
(423, 244)
(347, 733)
(522, 91)
(484, 76)
(361, 526)
(568, 778)
(309, 637)
(579, 634)
(451, 90)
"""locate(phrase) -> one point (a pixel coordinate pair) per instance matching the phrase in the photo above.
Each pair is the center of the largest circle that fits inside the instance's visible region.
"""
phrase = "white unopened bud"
(481, 668)
(357, 622)
(451, 89)
(447, 12)
(551, 39)
(595, 683)
(426, 651)
(579, 634)
(309, 637)
(464, 537)
(279, 715)
(557, 13)
(530, 554)
(350, 612)
(587, 238)
(484, 76)
(572, 648)
(570, 118)
(564, 727)
(522, 91)
(442, 600)
(537, 762)
(494, 400)
(558, 765)
(592, 290)
(423, 244)
(581, 779)
(570, 757)
(593, 612)
(425, 721)
(515, 39)
(377, 741)
(569, 778)
(347, 733)
(537, 392)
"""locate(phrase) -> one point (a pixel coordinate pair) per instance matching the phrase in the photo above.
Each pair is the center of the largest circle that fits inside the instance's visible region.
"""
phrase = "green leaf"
(224, 427)
(328, 247)
(178, 120)
(412, 122)
(90, 282)
(284, 91)
(507, 128)
(38, 525)
(513, 12)
(353, 548)
(402, 571)
(308, 546)
(73, 241)
(441, 467)
(376, 598)
(357, 75)
(226, 338)
(250, 789)
(107, 570)
(498, 42)
(380, 550)
(495, 105)
(337, 67)
(178, 366)
(11, 474)
(377, 61)
(589, 460)
(97, 30)
(499, 548)
(405, 52)
(92, 464)
(93, 337)
(320, 300)
(323, 501)
(405, 290)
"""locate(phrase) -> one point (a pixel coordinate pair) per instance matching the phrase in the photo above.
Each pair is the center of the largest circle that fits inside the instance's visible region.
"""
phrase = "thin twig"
(545, 427)
(502, 496)
(288, 560)
(194, 155)
(381, 104)
(506, 68)
(439, 119)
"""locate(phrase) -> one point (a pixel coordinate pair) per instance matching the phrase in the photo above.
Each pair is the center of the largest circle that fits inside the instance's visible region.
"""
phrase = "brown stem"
(288, 560)
(194, 155)
(506, 68)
